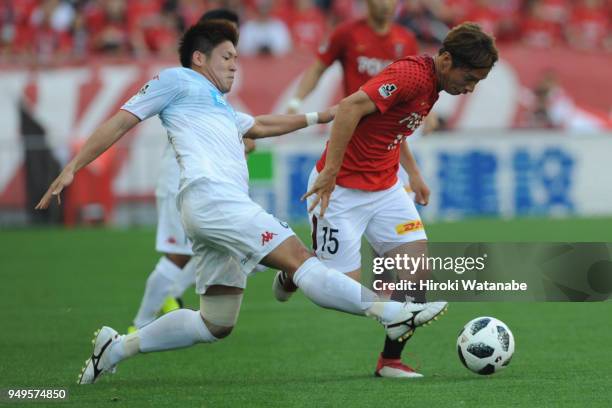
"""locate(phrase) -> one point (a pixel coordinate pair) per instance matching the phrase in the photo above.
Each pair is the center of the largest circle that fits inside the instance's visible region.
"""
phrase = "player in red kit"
(364, 47)
(354, 189)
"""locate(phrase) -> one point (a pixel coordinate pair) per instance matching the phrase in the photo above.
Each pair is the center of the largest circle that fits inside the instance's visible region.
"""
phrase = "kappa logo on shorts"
(386, 90)
(408, 227)
(267, 237)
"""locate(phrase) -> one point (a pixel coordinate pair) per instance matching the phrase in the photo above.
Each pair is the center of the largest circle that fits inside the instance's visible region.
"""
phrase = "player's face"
(464, 80)
(457, 81)
(381, 10)
(220, 67)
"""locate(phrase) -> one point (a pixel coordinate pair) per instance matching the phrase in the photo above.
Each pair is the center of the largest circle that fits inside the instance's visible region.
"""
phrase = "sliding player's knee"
(219, 332)
(220, 313)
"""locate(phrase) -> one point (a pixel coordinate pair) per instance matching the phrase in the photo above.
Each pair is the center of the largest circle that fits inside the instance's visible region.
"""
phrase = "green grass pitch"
(58, 286)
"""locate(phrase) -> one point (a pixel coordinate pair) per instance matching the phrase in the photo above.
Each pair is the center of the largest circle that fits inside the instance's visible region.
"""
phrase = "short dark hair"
(470, 47)
(204, 37)
(220, 14)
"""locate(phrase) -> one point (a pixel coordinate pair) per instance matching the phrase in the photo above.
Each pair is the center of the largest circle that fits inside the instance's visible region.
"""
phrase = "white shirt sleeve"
(245, 122)
(155, 95)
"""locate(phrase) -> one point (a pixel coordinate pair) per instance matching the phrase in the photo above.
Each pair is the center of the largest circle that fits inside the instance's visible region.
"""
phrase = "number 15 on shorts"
(329, 237)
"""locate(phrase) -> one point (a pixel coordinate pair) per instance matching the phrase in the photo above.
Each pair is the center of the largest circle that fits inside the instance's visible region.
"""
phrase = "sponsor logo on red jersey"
(396, 142)
(371, 66)
(386, 90)
(413, 121)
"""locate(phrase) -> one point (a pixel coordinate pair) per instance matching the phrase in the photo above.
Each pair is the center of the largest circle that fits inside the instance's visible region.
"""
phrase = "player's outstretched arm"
(277, 125)
(350, 112)
(103, 138)
(309, 81)
(417, 184)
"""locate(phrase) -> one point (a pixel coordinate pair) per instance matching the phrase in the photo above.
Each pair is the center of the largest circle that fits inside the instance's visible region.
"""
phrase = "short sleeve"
(333, 50)
(245, 122)
(401, 81)
(154, 96)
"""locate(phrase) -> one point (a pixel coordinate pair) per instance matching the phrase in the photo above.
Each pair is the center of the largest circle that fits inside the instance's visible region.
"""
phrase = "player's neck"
(206, 74)
(380, 28)
(438, 70)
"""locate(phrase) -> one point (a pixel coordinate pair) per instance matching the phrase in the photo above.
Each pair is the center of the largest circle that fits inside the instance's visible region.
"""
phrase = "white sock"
(159, 284)
(128, 346)
(331, 289)
(184, 279)
(177, 329)
(385, 312)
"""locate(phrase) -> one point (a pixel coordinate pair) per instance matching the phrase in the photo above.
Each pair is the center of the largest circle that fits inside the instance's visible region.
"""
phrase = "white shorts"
(171, 237)
(230, 233)
(387, 218)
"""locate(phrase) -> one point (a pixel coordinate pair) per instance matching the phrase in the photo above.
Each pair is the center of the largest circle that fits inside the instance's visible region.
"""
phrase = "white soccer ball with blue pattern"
(485, 345)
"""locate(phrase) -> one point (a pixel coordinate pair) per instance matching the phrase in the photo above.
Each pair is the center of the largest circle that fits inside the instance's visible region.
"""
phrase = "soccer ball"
(485, 345)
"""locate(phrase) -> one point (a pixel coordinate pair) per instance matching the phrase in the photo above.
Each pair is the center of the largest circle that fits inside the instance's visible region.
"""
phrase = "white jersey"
(204, 131)
(169, 174)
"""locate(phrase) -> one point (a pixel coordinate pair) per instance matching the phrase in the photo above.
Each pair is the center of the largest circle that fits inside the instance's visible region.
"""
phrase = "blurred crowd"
(60, 30)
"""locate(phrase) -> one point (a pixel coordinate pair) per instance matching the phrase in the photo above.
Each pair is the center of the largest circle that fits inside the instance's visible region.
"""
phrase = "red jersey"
(363, 53)
(404, 93)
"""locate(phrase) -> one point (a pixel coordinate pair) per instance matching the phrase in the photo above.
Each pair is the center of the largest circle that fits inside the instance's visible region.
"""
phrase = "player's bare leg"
(331, 289)
(300, 266)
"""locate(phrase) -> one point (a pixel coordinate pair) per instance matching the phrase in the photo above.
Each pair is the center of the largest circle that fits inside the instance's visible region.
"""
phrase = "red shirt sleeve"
(333, 50)
(401, 81)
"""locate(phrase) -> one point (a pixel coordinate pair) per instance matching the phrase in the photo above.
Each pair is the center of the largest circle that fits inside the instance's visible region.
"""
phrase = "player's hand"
(420, 189)
(328, 115)
(249, 145)
(322, 189)
(63, 180)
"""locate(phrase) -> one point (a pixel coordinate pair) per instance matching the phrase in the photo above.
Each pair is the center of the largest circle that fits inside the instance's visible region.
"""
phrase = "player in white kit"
(175, 270)
(230, 233)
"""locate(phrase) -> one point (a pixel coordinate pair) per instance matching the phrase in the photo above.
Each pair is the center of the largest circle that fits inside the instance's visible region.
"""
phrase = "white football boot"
(413, 315)
(280, 283)
(98, 363)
